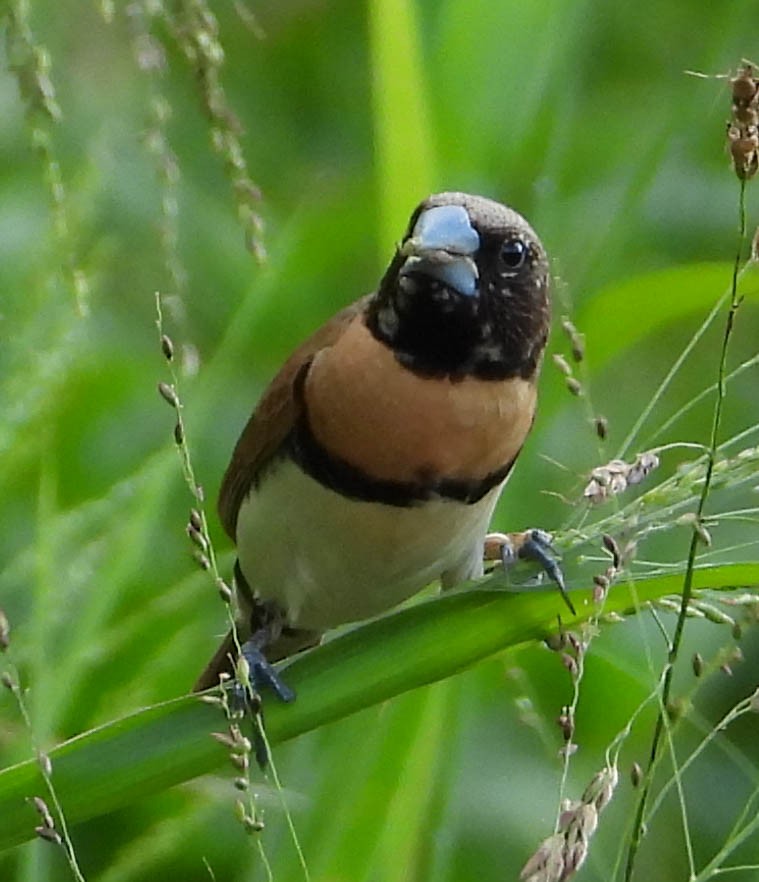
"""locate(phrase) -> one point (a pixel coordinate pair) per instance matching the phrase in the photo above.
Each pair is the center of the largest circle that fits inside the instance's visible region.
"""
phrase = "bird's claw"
(263, 674)
(535, 545)
(245, 697)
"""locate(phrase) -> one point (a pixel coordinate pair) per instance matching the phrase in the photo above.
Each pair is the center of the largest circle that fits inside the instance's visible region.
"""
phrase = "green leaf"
(158, 747)
(626, 313)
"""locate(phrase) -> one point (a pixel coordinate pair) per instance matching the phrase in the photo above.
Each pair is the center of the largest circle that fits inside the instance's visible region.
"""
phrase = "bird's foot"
(256, 673)
(262, 674)
(534, 545)
(267, 620)
(245, 694)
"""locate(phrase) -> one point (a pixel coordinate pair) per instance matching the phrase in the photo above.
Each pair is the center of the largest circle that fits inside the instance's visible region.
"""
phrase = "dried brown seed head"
(253, 825)
(197, 537)
(610, 544)
(576, 339)
(570, 663)
(743, 85)
(566, 723)
(225, 592)
(43, 811)
(167, 347)
(636, 774)
(574, 386)
(168, 394)
(225, 739)
(201, 560)
(49, 835)
(240, 761)
(562, 364)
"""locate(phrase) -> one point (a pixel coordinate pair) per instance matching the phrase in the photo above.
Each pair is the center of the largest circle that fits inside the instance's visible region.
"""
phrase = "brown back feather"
(273, 418)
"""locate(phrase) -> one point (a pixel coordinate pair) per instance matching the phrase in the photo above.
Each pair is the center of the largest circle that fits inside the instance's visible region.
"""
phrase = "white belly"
(329, 560)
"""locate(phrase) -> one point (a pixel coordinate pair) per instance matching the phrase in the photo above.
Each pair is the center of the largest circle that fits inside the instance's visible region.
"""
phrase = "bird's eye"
(513, 253)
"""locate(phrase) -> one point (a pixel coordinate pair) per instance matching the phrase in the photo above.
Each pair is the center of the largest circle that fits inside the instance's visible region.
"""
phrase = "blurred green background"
(578, 114)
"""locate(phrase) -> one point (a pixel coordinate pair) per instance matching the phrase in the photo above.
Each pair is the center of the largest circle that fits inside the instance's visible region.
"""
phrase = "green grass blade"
(163, 745)
(407, 825)
(404, 155)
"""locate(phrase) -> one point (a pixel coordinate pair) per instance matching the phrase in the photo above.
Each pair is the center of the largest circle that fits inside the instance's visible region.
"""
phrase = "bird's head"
(467, 291)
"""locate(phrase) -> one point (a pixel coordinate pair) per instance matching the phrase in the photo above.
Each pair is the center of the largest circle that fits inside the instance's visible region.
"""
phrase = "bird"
(372, 463)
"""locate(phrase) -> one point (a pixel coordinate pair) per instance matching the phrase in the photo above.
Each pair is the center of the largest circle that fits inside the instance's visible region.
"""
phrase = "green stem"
(687, 591)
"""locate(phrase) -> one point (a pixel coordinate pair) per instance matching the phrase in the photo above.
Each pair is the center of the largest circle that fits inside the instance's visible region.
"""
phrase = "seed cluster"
(616, 476)
(743, 128)
(561, 855)
(577, 346)
(240, 749)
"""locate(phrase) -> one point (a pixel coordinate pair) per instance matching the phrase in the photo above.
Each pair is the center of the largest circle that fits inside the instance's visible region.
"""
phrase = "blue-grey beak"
(442, 245)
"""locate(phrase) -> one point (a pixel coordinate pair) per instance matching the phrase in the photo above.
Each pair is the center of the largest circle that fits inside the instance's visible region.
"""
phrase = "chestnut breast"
(393, 424)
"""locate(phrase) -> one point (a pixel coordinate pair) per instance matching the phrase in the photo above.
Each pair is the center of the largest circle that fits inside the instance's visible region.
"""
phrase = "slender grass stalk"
(150, 60)
(195, 28)
(46, 771)
(713, 867)
(741, 709)
(198, 530)
(30, 62)
(673, 371)
(703, 394)
(258, 722)
(687, 589)
(724, 871)
(208, 560)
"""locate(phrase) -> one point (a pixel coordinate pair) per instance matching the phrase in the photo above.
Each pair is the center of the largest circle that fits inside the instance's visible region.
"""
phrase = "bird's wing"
(274, 418)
